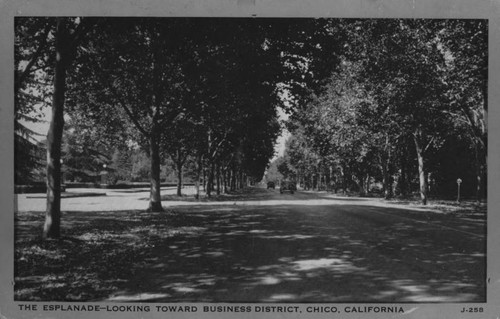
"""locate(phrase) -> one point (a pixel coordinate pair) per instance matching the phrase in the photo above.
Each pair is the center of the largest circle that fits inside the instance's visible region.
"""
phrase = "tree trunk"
(328, 179)
(361, 185)
(385, 162)
(197, 188)
(233, 180)
(422, 174)
(204, 179)
(389, 191)
(155, 195)
(367, 184)
(210, 181)
(403, 178)
(386, 181)
(479, 166)
(179, 178)
(343, 179)
(52, 225)
(218, 178)
(224, 180)
(241, 180)
(199, 169)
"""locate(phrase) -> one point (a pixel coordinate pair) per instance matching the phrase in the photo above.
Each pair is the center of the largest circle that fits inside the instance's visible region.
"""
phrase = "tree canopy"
(370, 101)
(400, 83)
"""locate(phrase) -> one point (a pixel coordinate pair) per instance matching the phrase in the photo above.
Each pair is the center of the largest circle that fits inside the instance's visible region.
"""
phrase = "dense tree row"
(203, 92)
(369, 100)
(409, 100)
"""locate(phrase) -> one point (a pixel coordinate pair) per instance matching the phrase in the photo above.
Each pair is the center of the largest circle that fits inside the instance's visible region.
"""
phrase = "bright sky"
(279, 148)
(41, 127)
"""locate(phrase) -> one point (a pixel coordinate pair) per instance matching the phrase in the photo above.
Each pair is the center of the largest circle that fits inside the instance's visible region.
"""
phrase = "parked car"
(288, 186)
(270, 185)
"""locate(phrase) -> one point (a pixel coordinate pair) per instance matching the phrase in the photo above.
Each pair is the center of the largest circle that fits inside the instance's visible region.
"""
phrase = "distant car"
(270, 185)
(288, 186)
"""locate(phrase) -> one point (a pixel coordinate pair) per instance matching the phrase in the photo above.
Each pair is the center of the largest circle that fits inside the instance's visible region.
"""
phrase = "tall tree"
(465, 46)
(403, 89)
(408, 81)
(67, 36)
(136, 65)
(51, 55)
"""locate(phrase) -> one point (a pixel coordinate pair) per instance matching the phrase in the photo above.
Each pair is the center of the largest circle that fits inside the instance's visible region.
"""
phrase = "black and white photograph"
(250, 166)
(250, 160)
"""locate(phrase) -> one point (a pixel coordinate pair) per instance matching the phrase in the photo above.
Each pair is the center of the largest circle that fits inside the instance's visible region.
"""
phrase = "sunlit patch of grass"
(165, 231)
(99, 238)
(36, 251)
(445, 206)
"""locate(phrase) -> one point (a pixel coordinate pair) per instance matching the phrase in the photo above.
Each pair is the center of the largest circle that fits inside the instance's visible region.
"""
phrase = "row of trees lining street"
(387, 100)
(199, 88)
(406, 107)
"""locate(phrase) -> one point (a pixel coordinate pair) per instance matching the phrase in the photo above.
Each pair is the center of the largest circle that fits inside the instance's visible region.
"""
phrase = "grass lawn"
(97, 253)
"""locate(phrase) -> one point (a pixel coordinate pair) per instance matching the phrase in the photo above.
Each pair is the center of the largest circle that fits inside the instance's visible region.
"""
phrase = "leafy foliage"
(396, 92)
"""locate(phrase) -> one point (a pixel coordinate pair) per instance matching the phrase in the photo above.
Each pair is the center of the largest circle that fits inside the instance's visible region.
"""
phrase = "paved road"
(314, 248)
(261, 246)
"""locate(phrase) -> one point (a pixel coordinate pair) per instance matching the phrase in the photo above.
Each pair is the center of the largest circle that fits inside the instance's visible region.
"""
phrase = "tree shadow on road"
(281, 257)
(221, 253)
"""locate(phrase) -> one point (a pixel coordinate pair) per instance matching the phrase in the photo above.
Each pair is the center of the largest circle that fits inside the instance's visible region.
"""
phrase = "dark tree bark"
(480, 172)
(179, 178)
(225, 180)
(205, 179)
(233, 180)
(328, 179)
(199, 169)
(403, 178)
(344, 176)
(385, 163)
(218, 178)
(241, 180)
(387, 179)
(361, 184)
(210, 181)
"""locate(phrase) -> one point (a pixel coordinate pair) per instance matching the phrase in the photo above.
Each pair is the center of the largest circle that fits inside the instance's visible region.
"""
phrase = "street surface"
(261, 246)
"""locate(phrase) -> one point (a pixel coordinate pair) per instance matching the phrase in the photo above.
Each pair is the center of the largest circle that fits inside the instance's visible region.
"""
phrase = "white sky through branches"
(42, 127)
